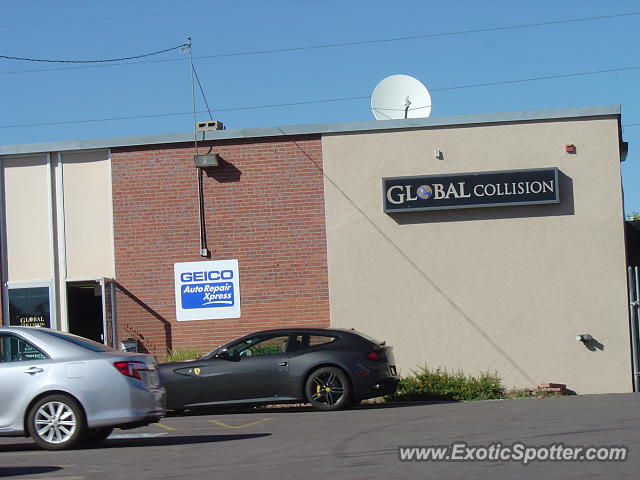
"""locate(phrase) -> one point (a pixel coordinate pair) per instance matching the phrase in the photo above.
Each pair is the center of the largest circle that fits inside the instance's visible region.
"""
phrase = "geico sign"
(211, 275)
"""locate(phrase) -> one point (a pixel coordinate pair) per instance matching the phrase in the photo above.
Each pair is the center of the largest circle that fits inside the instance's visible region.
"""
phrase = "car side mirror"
(223, 354)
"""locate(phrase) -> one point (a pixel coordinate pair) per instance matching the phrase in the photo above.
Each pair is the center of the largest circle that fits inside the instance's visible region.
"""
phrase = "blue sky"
(440, 56)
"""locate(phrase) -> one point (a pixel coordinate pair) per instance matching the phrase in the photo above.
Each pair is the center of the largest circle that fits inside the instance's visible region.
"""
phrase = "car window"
(256, 346)
(14, 349)
(315, 340)
(80, 341)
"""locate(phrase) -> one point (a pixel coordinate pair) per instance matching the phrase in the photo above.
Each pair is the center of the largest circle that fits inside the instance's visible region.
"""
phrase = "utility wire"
(421, 36)
(346, 44)
(193, 93)
(326, 100)
(46, 60)
(202, 91)
(148, 14)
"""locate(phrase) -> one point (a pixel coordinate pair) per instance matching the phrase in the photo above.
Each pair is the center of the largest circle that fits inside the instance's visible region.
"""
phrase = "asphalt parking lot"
(296, 443)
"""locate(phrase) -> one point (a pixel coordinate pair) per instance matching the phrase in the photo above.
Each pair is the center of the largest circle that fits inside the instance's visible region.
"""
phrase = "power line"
(326, 100)
(202, 91)
(148, 14)
(354, 43)
(421, 36)
(46, 60)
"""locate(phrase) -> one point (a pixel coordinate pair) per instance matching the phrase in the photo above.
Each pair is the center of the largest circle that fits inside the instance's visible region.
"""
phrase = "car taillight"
(130, 369)
(373, 356)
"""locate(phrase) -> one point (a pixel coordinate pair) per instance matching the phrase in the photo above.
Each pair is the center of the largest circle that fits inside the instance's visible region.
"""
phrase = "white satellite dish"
(400, 96)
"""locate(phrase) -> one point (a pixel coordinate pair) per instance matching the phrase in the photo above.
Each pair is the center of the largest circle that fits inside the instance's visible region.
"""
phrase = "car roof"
(318, 330)
(16, 329)
(51, 344)
(339, 332)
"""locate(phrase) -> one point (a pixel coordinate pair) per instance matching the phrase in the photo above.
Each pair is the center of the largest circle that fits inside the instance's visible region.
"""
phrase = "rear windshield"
(80, 341)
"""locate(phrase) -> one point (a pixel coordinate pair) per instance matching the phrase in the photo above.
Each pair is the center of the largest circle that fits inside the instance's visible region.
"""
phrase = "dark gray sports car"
(328, 368)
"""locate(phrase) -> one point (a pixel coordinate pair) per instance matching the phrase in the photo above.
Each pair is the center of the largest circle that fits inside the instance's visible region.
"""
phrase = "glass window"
(255, 346)
(315, 340)
(304, 340)
(14, 349)
(29, 307)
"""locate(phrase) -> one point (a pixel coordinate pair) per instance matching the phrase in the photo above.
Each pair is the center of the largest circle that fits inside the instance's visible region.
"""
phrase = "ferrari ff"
(65, 391)
(328, 368)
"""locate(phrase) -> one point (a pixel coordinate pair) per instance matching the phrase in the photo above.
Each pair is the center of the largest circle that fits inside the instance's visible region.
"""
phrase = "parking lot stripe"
(161, 425)
(222, 424)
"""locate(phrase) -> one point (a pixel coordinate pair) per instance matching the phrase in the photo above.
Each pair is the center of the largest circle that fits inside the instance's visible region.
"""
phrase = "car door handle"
(282, 364)
(33, 370)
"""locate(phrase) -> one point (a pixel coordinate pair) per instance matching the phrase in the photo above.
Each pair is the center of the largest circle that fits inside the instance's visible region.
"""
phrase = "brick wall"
(264, 206)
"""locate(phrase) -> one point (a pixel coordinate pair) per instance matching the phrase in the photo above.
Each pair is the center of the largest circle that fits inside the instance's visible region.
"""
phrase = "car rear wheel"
(56, 422)
(328, 388)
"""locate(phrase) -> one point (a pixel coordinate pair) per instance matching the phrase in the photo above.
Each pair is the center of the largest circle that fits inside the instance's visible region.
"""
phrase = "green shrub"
(181, 355)
(440, 384)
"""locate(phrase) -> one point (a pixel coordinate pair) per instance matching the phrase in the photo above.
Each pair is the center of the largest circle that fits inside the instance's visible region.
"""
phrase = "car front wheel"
(328, 388)
(56, 422)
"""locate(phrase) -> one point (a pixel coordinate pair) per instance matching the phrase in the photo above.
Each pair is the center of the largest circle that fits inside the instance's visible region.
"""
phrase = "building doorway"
(84, 309)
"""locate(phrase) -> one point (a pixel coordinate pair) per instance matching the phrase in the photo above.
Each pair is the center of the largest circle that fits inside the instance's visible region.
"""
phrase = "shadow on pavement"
(296, 408)
(17, 471)
(177, 440)
(141, 442)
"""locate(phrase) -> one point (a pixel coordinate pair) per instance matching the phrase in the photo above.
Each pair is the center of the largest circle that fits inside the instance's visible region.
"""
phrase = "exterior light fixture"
(624, 150)
(210, 125)
(207, 160)
(584, 338)
(438, 154)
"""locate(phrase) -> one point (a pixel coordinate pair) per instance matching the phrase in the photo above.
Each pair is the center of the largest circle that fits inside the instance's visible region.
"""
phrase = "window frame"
(6, 319)
(8, 336)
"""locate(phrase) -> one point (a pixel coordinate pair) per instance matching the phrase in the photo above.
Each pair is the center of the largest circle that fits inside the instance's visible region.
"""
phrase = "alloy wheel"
(328, 389)
(55, 422)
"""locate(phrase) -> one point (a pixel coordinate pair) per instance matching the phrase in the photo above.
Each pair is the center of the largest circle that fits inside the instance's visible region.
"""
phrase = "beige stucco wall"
(88, 226)
(500, 289)
(27, 224)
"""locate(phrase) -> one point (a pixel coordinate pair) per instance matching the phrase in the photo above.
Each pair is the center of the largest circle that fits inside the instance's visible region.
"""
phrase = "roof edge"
(314, 129)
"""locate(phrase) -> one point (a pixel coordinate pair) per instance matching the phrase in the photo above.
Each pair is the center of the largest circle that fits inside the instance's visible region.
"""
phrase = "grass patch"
(440, 384)
(528, 393)
(181, 355)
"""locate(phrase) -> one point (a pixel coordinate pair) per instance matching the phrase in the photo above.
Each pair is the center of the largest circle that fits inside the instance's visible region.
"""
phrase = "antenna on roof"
(400, 96)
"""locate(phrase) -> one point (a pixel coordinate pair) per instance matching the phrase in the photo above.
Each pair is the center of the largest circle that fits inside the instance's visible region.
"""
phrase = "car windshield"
(80, 341)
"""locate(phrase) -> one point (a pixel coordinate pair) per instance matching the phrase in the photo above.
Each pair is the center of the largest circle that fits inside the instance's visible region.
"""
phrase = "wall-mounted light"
(209, 125)
(584, 338)
(624, 150)
(438, 155)
(207, 160)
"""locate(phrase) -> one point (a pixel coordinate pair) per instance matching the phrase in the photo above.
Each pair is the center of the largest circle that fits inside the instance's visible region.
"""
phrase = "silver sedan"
(65, 391)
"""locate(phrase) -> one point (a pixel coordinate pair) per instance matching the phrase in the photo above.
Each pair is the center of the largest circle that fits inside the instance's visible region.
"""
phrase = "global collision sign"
(207, 290)
(471, 190)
